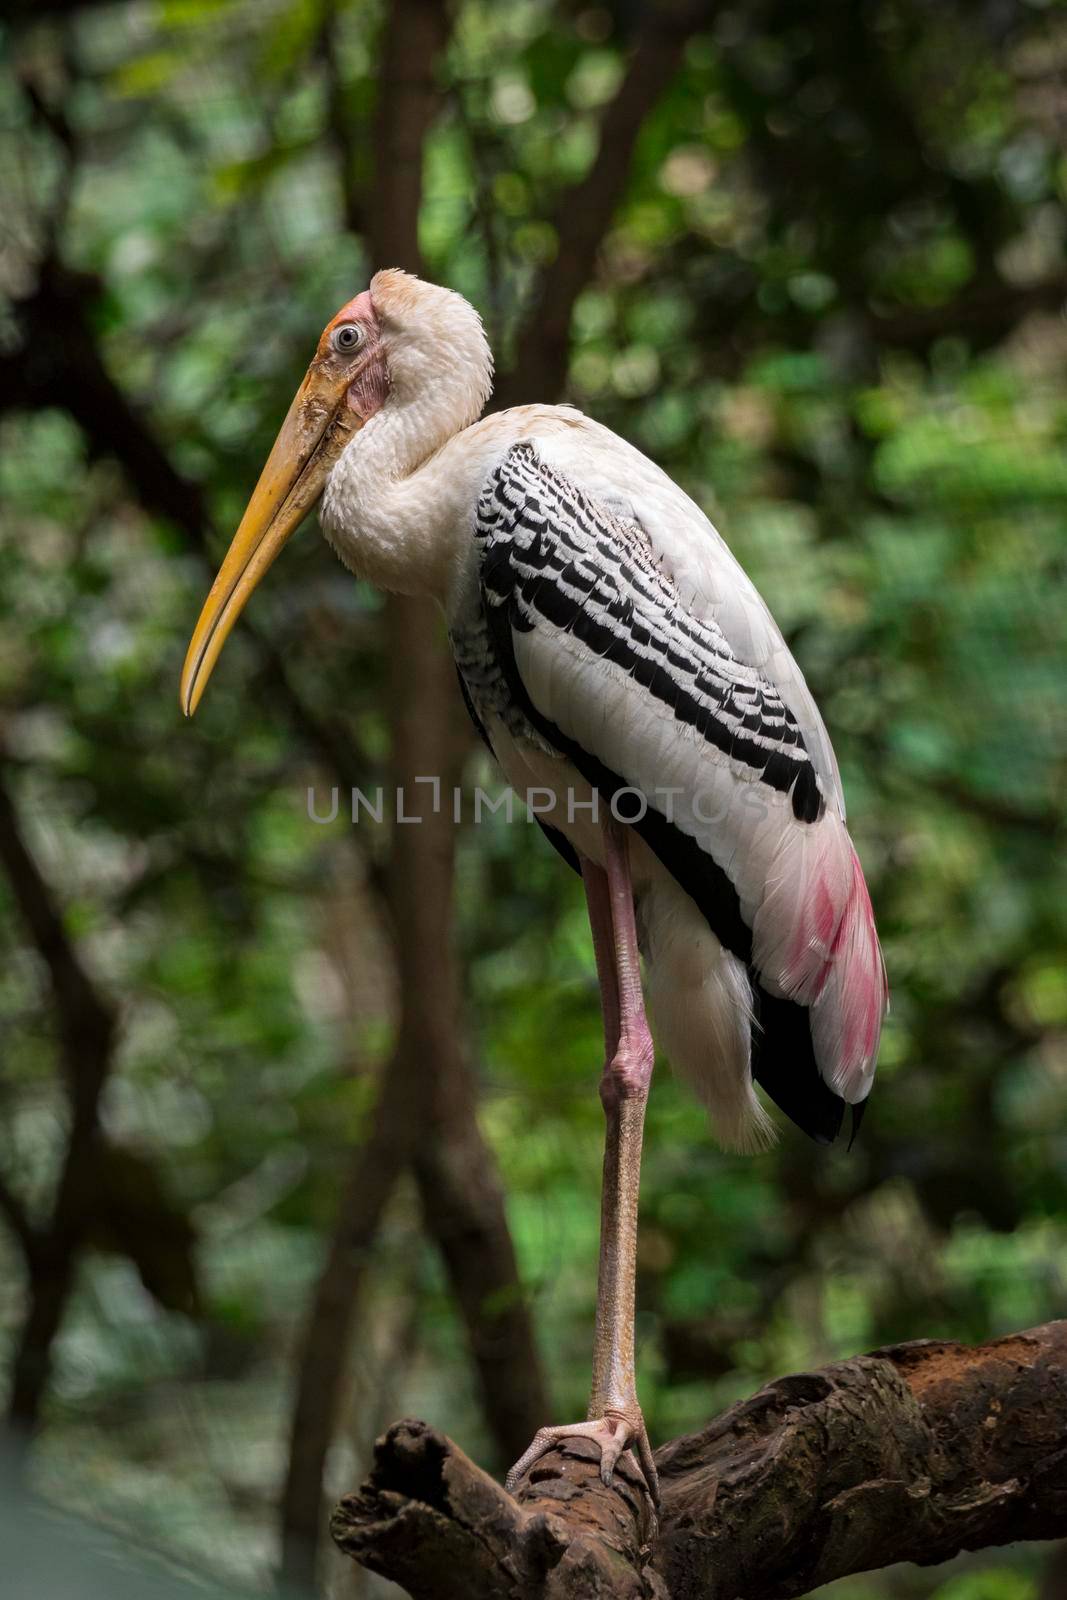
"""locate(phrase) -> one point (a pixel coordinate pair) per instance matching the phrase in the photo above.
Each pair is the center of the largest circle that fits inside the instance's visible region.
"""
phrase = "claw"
(610, 1451)
(612, 1434)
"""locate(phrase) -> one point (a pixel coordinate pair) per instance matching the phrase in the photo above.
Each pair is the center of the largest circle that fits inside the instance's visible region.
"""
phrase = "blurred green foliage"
(830, 307)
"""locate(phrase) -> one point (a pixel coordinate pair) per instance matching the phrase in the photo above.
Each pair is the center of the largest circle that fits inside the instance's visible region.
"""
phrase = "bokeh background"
(298, 1122)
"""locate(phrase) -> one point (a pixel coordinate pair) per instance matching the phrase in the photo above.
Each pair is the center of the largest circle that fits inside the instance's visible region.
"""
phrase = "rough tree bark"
(911, 1453)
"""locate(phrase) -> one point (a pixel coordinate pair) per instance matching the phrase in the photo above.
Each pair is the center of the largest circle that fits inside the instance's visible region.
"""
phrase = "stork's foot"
(614, 1433)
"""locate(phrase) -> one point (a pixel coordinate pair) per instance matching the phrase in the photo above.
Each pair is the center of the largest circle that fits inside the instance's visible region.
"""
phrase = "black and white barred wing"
(615, 673)
(708, 579)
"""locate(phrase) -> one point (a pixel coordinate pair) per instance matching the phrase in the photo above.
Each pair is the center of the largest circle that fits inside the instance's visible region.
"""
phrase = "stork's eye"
(347, 338)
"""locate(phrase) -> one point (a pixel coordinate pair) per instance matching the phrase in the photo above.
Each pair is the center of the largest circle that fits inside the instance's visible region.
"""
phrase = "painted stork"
(611, 651)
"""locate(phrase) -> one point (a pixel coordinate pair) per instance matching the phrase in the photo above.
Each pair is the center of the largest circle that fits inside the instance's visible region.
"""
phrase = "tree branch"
(464, 1213)
(324, 1352)
(339, 127)
(86, 1021)
(585, 213)
(983, 315)
(912, 1453)
(435, 1523)
(17, 1218)
(86, 1032)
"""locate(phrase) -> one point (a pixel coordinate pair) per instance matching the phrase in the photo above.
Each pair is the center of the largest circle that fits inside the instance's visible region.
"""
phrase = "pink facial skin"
(370, 384)
(367, 394)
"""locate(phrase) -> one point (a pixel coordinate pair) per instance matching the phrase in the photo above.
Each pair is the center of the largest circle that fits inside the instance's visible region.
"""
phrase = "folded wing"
(617, 672)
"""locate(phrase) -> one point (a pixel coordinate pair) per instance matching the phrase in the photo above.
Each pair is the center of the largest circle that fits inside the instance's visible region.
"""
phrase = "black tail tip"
(859, 1111)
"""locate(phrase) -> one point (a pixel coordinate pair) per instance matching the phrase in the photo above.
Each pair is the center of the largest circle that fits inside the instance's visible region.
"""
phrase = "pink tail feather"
(816, 944)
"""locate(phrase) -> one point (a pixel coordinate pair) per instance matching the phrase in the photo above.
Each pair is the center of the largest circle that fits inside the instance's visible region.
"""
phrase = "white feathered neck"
(393, 505)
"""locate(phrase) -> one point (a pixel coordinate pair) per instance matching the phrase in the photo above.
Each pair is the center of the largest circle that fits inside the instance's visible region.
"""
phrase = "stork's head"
(403, 349)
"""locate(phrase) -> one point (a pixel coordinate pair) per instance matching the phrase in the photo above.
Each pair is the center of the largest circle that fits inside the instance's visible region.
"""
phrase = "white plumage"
(401, 508)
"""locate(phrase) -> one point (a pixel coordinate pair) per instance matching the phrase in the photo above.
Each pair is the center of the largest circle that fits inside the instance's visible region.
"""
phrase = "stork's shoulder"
(495, 434)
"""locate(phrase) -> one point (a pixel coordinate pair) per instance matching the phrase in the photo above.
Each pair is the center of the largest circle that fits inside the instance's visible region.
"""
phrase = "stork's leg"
(614, 1417)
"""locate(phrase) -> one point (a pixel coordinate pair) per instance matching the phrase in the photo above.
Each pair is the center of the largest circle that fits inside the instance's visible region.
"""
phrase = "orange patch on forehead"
(357, 310)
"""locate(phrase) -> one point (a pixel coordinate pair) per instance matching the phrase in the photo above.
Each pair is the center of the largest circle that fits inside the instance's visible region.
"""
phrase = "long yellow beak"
(318, 426)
